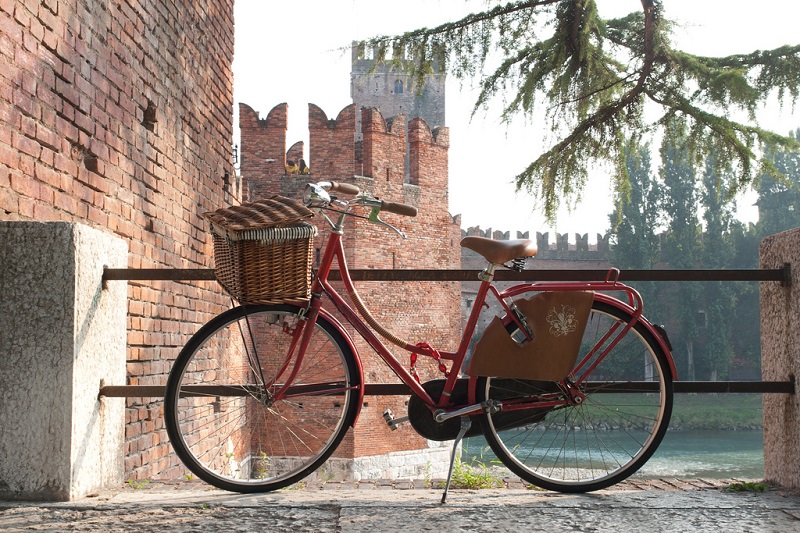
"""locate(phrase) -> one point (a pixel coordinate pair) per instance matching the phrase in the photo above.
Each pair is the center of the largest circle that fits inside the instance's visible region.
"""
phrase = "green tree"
(779, 199)
(635, 225)
(681, 247)
(636, 219)
(718, 299)
(779, 210)
(595, 77)
(746, 327)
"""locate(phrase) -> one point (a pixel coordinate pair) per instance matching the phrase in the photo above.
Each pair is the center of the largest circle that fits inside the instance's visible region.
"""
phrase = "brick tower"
(392, 91)
(399, 161)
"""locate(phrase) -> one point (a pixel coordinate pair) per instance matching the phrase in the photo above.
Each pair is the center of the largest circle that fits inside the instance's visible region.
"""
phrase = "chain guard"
(420, 415)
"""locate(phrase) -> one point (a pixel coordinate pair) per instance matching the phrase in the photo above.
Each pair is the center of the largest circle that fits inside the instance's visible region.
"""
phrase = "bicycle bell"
(315, 196)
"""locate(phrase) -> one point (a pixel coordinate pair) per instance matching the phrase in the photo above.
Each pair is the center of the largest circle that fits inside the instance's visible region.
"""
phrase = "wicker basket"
(262, 251)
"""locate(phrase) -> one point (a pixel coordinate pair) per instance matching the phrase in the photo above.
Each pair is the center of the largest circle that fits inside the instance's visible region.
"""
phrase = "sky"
(298, 52)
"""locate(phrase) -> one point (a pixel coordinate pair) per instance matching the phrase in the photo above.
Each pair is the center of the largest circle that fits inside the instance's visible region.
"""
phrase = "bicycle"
(262, 395)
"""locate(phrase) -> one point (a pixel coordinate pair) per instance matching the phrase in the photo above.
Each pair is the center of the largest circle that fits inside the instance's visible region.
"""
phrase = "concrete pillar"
(780, 359)
(62, 336)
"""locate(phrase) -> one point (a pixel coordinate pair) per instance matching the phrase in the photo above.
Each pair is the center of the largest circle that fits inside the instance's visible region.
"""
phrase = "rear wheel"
(605, 438)
(221, 417)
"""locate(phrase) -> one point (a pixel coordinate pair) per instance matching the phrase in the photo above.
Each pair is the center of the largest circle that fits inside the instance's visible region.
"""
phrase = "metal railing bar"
(400, 389)
(159, 274)
(782, 275)
(157, 391)
(786, 387)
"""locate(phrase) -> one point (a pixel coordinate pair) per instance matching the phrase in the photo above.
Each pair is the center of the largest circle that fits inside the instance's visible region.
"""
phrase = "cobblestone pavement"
(386, 506)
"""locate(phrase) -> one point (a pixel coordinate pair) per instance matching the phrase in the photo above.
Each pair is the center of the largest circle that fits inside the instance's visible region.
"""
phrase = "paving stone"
(636, 505)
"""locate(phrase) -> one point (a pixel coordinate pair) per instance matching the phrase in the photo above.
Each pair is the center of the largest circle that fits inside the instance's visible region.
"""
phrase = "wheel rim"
(230, 430)
(605, 438)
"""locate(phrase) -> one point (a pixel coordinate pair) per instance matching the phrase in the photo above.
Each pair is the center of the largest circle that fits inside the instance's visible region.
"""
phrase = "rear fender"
(658, 332)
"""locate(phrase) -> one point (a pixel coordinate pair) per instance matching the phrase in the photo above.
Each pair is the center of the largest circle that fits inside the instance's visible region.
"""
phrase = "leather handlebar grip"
(399, 209)
(345, 188)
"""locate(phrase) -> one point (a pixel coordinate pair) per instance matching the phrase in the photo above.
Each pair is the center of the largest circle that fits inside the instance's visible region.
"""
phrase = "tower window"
(398, 87)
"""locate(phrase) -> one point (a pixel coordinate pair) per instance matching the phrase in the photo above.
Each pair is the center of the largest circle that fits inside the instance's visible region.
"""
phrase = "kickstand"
(466, 423)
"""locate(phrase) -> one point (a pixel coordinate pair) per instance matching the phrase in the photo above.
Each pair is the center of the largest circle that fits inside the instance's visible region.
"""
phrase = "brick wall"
(119, 115)
(412, 311)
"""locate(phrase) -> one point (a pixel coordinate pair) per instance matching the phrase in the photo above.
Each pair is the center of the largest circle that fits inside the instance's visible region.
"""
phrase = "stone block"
(780, 360)
(62, 336)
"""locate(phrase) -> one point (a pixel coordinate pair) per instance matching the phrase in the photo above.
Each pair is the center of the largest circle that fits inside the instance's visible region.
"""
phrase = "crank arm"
(489, 406)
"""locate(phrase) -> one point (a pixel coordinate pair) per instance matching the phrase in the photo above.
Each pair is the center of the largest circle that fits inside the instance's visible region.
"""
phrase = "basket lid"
(293, 232)
(265, 213)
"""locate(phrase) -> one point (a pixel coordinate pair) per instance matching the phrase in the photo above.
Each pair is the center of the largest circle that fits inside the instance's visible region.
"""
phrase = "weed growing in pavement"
(137, 485)
(746, 486)
(475, 475)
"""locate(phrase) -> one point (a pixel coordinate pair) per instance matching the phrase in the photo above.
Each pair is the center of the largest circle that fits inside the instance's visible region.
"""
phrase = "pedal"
(391, 421)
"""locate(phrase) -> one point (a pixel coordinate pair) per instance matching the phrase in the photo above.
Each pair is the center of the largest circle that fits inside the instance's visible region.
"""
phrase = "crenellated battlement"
(548, 250)
(389, 149)
(332, 153)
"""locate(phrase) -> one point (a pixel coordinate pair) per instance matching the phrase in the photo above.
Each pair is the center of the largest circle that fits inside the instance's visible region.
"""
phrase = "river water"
(708, 454)
(686, 454)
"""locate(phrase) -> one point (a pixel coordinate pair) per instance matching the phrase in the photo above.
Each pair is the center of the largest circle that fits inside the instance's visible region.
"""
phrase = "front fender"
(334, 322)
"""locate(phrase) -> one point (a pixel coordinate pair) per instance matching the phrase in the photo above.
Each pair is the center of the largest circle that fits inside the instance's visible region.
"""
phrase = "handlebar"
(316, 197)
(399, 209)
(316, 193)
(345, 188)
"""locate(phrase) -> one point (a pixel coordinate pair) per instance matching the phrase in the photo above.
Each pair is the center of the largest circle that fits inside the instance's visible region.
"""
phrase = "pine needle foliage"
(602, 83)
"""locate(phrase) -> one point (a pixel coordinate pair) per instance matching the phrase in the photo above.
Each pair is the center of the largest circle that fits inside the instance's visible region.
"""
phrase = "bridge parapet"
(780, 360)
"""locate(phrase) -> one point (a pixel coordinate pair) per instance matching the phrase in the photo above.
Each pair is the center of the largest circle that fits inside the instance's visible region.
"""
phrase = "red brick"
(8, 156)
(7, 6)
(47, 175)
(47, 137)
(9, 27)
(8, 199)
(45, 212)
(431, 233)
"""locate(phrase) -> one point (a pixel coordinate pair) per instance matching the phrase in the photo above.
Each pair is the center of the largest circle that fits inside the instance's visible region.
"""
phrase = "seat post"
(488, 273)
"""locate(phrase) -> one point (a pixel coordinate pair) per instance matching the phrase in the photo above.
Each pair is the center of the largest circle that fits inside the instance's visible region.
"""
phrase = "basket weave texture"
(263, 250)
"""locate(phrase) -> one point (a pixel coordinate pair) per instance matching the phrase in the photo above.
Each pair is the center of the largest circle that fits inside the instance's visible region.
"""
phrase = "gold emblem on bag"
(563, 322)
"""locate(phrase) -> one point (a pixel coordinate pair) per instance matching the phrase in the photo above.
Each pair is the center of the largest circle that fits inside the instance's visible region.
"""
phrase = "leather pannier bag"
(557, 320)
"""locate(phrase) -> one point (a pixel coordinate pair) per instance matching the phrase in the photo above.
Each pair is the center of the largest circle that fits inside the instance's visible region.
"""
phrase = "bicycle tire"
(604, 439)
(234, 436)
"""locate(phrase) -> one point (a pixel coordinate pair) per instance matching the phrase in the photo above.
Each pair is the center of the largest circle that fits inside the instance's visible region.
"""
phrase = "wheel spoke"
(242, 438)
(602, 439)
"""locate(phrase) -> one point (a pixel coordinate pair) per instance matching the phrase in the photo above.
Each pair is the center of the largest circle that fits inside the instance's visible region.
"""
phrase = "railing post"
(62, 337)
(780, 360)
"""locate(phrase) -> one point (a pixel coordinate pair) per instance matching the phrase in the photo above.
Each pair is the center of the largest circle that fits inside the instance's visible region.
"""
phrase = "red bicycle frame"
(334, 251)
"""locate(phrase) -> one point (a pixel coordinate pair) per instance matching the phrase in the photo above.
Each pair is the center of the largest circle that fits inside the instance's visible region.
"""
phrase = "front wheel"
(606, 437)
(222, 418)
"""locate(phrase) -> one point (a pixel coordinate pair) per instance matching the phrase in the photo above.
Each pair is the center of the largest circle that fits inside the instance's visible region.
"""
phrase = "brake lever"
(373, 217)
(375, 206)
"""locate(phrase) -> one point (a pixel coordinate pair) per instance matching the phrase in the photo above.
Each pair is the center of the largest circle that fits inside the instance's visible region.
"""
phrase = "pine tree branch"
(466, 22)
(586, 96)
(597, 93)
(757, 58)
